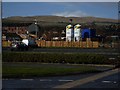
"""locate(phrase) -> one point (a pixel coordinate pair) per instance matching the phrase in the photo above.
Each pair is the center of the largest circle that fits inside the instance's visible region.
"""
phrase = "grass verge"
(26, 70)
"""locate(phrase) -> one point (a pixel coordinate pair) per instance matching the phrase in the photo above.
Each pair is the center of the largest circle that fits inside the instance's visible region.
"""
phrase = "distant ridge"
(60, 19)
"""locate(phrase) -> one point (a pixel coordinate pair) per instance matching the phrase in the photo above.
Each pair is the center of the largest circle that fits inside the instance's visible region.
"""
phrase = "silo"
(77, 32)
(69, 32)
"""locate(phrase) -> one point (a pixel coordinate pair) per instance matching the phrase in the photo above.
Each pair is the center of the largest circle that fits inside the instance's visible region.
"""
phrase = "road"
(112, 81)
(114, 50)
(108, 79)
(110, 52)
(40, 83)
(105, 80)
(76, 50)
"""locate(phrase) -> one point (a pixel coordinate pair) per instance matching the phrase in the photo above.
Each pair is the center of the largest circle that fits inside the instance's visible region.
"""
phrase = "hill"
(60, 19)
(103, 26)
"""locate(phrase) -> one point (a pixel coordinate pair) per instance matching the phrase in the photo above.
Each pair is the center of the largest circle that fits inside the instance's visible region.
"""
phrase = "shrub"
(55, 58)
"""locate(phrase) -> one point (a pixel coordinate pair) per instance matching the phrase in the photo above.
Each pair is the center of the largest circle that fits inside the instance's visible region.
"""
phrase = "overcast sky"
(77, 9)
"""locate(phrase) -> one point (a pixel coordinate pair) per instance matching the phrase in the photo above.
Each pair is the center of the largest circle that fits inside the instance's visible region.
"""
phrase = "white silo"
(77, 32)
(69, 32)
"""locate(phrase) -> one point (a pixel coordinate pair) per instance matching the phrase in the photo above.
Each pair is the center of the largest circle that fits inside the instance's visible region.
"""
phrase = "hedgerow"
(72, 58)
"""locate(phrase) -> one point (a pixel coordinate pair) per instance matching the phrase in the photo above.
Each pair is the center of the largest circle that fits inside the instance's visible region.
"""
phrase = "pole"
(36, 28)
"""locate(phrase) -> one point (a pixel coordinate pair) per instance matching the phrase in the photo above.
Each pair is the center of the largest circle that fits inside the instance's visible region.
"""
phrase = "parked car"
(32, 43)
(19, 46)
(25, 44)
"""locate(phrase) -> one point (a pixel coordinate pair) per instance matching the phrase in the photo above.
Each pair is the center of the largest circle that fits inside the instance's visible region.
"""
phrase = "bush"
(55, 58)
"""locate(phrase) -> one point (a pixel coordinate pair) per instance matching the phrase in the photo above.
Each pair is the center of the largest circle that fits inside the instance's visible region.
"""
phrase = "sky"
(95, 8)
(60, 1)
(67, 9)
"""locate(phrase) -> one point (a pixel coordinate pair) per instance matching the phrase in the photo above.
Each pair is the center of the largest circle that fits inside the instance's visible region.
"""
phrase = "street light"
(36, 28)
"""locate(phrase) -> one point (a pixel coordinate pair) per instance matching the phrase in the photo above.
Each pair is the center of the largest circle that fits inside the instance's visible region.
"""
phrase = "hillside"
(59, 19)
(103, 26)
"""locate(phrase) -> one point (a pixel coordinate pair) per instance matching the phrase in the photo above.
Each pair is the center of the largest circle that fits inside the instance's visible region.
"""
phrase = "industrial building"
(76, 33)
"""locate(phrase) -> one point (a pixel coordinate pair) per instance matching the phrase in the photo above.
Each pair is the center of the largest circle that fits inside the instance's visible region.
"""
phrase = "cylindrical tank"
(69, 32)
(77, 32)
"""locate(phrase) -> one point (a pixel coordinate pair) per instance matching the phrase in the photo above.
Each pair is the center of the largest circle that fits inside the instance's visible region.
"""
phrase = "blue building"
(88, 33)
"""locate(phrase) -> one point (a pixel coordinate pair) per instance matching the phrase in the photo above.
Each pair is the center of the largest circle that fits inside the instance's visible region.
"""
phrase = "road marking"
(27, 79)
(109, 81)
(44, 80)
(65, 80)
(88, 79)
(111, 58)
(8, 79)
(106, 81)
(114, 82)
(5, 79)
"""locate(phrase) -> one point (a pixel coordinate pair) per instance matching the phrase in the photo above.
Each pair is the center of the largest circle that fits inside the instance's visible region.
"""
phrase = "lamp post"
(36, 28)
(27, 35)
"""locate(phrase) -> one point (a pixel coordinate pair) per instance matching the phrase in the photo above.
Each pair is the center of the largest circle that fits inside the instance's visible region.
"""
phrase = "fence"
(6, 43)
(80, 44)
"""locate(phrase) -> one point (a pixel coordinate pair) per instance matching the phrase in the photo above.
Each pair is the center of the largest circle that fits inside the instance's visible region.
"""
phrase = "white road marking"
(8, 79)
(5, 79)
(43, 80)
(65, 80)
(114, 82)
(27, 79)
(111, 58)
(106, 81)
(109, 81)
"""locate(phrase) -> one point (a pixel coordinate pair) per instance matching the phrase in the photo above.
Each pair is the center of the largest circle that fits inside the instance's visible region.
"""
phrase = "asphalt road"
(76, 50)
(108, 82)
(40, 83)
(112, 81)
(105, 51)
(115, 50)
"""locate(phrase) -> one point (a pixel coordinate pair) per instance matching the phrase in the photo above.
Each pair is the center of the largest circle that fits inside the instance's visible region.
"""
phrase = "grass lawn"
(24, 70)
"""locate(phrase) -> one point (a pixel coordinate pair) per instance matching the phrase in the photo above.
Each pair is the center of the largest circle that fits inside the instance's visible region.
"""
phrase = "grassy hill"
(60, 19)
(103, 26)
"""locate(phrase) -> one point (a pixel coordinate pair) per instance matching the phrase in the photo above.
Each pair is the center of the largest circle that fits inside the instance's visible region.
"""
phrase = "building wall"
(15, 29)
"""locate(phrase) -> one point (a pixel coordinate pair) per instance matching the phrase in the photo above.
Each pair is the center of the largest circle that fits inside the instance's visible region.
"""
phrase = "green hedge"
(55, 58)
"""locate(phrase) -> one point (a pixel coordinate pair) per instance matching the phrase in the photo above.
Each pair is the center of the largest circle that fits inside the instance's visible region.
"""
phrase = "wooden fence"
(80, 44)
(6, 43)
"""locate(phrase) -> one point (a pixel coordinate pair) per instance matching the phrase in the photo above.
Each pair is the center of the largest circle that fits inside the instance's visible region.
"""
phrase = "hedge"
(55, 58)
